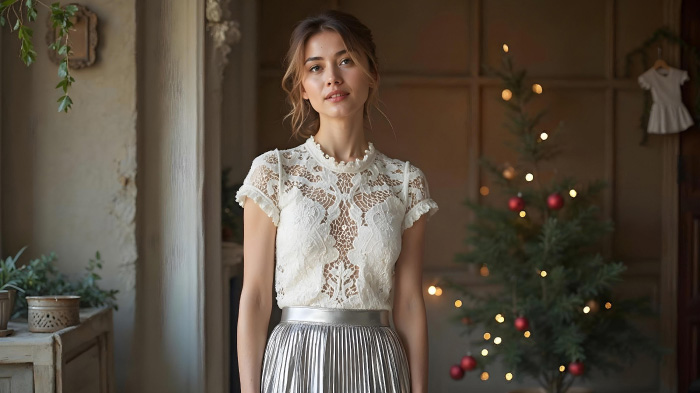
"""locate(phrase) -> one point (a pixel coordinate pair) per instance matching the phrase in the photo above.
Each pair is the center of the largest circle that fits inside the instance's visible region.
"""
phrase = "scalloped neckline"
(338, 165)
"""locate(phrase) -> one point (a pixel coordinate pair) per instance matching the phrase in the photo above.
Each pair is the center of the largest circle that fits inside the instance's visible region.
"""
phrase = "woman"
(346, 225)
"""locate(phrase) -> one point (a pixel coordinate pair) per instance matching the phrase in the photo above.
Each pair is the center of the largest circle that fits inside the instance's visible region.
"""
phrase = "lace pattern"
(339, 225)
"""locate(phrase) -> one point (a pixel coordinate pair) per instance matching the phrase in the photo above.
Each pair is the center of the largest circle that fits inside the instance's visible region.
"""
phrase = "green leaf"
(62, 50)
(65, 103)
(63, 69)
(7, 3)
(16, 25)
(3, 22)
(71, 9)
(32, 13)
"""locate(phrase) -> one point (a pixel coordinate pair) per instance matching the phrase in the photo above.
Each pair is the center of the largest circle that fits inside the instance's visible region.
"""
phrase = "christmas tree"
(554, 317)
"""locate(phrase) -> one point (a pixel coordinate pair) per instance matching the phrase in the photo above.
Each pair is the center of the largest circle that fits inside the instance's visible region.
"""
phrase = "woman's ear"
(304, 95)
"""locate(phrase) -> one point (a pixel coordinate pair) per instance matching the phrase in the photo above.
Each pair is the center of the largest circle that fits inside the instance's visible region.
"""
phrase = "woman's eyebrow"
(321, 58)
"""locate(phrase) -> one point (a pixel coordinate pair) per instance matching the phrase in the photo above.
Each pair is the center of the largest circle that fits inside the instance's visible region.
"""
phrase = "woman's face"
(332, 82)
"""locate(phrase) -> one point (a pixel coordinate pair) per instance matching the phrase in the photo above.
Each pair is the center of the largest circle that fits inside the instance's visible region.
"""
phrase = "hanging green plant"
(13, 14)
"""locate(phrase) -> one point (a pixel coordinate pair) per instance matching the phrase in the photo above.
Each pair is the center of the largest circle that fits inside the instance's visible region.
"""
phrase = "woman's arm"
(256, 295)
(409, 307)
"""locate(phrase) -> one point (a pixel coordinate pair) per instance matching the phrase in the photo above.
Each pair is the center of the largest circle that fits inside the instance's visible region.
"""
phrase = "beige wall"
(68, 180)
(445, 114)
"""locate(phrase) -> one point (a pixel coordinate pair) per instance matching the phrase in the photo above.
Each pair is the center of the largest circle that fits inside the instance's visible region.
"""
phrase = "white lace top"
(339, 224)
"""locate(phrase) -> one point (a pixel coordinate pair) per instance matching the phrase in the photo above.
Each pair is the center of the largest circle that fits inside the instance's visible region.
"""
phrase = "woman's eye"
(346, 61)
(314, 68)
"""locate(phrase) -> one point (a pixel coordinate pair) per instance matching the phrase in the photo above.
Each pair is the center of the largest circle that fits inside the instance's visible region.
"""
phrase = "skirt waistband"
(336, 316)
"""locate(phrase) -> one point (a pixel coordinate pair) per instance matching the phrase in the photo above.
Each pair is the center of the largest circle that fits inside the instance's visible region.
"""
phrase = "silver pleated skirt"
(322, 350)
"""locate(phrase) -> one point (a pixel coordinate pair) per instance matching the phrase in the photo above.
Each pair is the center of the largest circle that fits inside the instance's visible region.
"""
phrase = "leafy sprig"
(60, 17)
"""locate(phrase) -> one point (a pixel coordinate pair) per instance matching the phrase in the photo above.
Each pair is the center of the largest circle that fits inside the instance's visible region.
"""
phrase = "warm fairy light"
(499, 318)
(509, 376)
(529, 177)
(497, 340)
(505, 48)
(527, 334)
(544, 136)
(543, 273)
(484, 376)
(608, 305)
(484, 352)
(537, 88)
(484, 271)
(586, 310)
(438, 291)
(487, 336)
(562, 368)
(573, 193)
(506, 95)
(523, 214)
(484, 190)
(509, 173)
(432, 290)
(458, 303)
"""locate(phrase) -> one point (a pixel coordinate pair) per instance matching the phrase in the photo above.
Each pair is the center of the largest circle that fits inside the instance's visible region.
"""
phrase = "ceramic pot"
(48, 314)
(4, 309)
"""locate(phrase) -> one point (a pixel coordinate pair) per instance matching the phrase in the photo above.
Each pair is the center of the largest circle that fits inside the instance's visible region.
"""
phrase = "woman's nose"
(333, 77)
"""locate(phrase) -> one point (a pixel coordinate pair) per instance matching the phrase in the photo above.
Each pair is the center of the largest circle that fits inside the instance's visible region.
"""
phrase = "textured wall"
(68, 180)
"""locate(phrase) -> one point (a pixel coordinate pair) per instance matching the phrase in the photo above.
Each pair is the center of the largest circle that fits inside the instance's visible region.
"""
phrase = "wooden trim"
(609, 141)
(668, 282)
(474, 150)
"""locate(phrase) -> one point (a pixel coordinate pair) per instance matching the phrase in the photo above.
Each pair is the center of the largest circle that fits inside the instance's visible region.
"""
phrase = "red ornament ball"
(555, 201)
(516, 204)
(576, 368)
(468, 363)
(456, 372)
(522, 324)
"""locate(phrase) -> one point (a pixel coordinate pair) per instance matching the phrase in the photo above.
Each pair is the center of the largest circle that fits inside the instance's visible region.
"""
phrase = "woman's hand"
(409, 307)
(256, 296)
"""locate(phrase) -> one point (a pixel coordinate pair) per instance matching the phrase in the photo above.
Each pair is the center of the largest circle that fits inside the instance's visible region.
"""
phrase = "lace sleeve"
(262, 184)
(418, 201)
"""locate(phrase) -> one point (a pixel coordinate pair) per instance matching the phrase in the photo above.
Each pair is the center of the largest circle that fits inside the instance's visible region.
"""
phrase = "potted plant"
(10, 277)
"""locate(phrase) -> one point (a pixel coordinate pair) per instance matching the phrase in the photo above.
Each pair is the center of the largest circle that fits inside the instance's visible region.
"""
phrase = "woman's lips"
(337, 97)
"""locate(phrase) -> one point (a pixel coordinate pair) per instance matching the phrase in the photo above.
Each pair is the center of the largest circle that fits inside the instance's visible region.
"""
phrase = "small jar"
(48, 314)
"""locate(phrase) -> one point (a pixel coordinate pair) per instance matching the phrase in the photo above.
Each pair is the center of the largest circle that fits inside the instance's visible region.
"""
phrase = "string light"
(484, 376)
(505, 48)
(562, 368)
(509, 376)
(497, 340)
(544, 136)
(527, 334)
(506, 95)
(484, 352)
(509, 173)
(484, 271)
(523, 214)
(529, 177)
(438, 291)
(608, 305)
(432, 290)
(543, 273)
(484, 190)
(458, 303)
(499, 318)
(487, 336)
(537, 88)
(586, 310)
(573, 193)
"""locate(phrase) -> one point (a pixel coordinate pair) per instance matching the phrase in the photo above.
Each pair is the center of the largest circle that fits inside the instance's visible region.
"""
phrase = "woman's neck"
(344, 139)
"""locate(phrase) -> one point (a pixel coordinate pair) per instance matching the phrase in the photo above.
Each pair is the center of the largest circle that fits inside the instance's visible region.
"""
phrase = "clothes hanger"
(660, 63)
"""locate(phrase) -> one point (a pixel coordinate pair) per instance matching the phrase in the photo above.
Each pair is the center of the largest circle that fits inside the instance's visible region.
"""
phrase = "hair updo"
(358, 41)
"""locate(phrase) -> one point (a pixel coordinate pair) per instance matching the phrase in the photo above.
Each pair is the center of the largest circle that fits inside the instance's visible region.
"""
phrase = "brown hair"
(358, 41)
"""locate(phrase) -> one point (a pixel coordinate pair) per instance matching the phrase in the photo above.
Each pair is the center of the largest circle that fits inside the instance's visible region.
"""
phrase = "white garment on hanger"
(668, 114)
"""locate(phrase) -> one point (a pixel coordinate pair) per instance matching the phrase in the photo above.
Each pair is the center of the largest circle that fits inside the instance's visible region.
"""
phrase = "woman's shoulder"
(396, 165)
